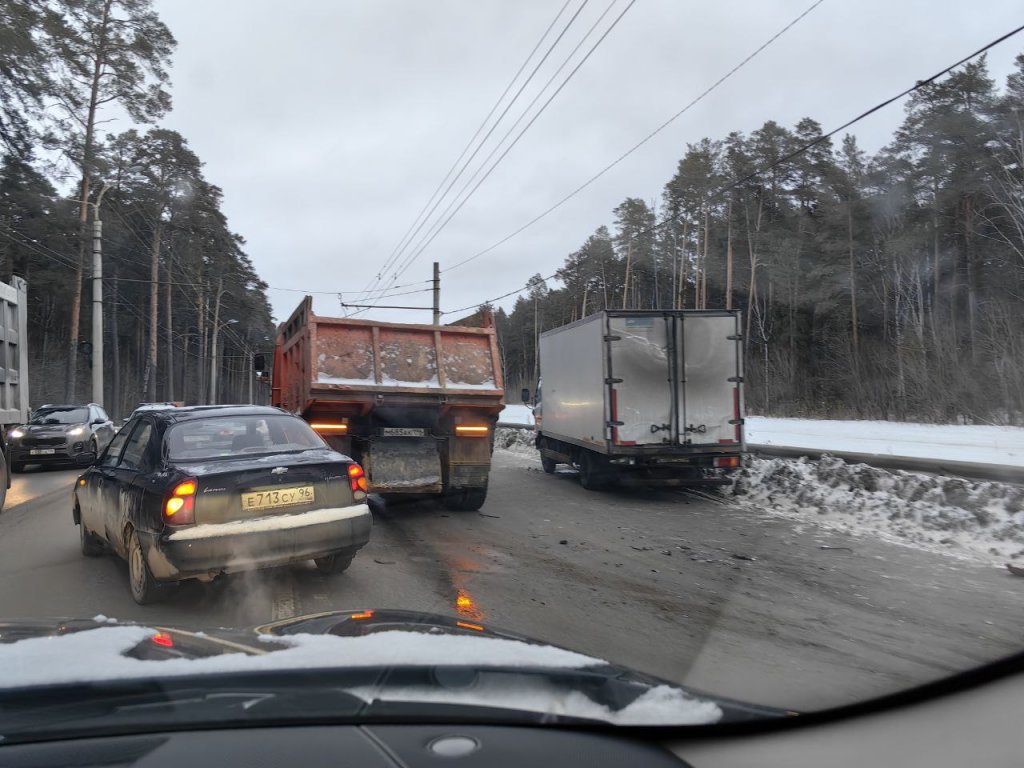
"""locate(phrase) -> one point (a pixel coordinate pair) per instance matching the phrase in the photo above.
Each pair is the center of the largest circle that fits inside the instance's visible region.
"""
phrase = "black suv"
(60, 434)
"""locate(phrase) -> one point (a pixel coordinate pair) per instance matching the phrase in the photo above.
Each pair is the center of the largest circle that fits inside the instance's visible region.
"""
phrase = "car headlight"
(16, 433)
(77, 431)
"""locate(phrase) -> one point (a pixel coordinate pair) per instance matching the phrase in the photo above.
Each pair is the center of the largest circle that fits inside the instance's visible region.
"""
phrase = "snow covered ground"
(992, 446)
(974, 520)
(516, 416)
(970, 519)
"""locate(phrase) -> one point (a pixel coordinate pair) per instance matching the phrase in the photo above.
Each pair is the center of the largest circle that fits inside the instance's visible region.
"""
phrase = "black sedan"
(60, 434)
(192, 493)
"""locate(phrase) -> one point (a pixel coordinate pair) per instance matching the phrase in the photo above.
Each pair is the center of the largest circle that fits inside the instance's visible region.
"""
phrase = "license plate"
(255, 501)
(42, 451)
(404, 432)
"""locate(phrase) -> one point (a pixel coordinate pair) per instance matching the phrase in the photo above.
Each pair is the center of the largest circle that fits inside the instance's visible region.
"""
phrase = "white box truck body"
(651, 396)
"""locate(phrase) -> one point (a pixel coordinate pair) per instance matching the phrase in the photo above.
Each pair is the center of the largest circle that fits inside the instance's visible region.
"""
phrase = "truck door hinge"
(734, 422)
(610, 380)
(660, 428)
(616, 423)
(735, 379)
(613, 338)
(700, 429)
(735, 337)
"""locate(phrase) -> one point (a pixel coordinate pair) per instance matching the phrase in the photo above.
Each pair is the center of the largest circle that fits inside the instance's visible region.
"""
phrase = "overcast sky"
(329, 124)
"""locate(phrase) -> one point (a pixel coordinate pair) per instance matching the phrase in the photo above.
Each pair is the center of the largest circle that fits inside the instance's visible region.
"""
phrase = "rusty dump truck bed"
(322, 362)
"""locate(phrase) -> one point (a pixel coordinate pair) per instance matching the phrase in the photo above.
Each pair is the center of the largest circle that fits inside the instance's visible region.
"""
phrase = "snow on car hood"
(100, 654)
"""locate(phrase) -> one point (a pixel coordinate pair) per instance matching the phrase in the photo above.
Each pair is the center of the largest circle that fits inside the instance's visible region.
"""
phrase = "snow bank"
(516, 416)
(515, 440)
(996, 446)
(971, 519)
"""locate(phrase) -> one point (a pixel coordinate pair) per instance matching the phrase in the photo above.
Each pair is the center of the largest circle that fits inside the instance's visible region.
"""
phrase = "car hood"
(389, 656)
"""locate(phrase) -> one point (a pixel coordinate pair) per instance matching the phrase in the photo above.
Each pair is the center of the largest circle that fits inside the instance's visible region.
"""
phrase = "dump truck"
(416, 405)
(651, 397)
(14, 402)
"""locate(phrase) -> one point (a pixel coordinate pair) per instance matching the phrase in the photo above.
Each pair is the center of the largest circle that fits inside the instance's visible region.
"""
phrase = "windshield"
(686, 337)
(226, 436)
(60, 416)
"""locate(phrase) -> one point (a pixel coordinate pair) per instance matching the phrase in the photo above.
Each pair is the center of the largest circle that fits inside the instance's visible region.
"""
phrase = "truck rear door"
(640, 377)
(709, 361)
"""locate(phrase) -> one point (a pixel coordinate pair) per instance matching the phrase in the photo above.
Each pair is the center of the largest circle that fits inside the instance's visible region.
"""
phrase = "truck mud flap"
(403, 466)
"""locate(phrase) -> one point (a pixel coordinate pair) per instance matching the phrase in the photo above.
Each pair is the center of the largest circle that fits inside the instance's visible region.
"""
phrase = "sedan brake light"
(357, 481)
(179, 508)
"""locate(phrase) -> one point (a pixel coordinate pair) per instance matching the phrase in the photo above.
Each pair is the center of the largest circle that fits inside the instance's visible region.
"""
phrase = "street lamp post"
(97, 300)
(214, 362)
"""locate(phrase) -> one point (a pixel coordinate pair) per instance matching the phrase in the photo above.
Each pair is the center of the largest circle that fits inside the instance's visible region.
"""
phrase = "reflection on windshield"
(60, 416)
(229, 436)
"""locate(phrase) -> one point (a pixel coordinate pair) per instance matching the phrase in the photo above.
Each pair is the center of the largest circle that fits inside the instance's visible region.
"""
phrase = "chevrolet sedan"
(193, 493)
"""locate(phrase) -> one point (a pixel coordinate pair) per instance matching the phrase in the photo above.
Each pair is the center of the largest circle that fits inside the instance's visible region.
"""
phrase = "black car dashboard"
(978, 726)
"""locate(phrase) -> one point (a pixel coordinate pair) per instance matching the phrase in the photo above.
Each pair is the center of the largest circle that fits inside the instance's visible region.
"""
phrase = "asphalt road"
(687, 586)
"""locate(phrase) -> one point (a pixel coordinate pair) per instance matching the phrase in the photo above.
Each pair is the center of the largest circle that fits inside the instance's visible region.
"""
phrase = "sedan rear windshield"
(60, 416)
(227, 436)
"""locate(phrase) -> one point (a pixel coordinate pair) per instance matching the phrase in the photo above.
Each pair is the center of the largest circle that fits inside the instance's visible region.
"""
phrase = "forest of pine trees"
(175, 275)
(886, 286)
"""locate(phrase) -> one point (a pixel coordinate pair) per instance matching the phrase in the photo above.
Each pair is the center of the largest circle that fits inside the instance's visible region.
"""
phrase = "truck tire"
(595, 473)
(17, 467)
(548, 465)
(336, 563)
(465, 499)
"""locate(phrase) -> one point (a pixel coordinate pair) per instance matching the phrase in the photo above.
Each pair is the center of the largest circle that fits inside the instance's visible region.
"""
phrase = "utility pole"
(437, 293)
(97, 301)
(251, 372)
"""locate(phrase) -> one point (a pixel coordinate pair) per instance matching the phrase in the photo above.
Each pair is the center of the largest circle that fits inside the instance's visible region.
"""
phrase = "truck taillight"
(471, 430)
(179, 508)
(727, 462)
(330, 428)
(357, 481)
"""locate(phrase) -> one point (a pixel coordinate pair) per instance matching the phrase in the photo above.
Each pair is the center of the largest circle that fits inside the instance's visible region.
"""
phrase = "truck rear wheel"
(465, 499)
(595, 473)
(548, 465)
(336, 563)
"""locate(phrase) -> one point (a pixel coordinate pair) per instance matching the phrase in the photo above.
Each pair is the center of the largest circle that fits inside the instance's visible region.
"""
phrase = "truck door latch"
(657, 428)
(700, 429)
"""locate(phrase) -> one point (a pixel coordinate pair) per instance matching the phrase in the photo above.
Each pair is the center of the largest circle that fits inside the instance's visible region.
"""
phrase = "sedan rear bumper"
(263, 542)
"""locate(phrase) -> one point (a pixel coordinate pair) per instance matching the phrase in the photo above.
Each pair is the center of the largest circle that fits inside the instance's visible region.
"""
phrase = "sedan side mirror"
(525, 395)
(98, 422)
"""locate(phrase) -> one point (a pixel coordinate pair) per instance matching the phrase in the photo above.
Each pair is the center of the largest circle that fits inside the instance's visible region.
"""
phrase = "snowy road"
(688, 586)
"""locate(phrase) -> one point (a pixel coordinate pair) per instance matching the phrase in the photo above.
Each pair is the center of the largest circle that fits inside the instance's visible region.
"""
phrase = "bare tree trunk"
(115, 350)
(972, 288)
(854, 332)
(204, 300)
(625, 285)
(728, 258)
(704, 260)
(214, 328)
(169, 333)
(752, 288)
(71, 372)
(154, 293)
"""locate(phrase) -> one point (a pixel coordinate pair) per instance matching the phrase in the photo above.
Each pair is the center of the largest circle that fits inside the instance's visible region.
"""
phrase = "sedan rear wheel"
(336, 563)
(145, 589)
(91, 546)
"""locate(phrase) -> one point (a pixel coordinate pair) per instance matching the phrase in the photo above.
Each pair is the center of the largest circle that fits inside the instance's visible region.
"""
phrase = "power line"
(496, 298)
(439, 226)
(799, 151)
(642, 142)
(402, 243)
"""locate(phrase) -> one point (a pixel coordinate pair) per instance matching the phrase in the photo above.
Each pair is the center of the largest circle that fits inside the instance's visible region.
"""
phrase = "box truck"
(650, 397)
